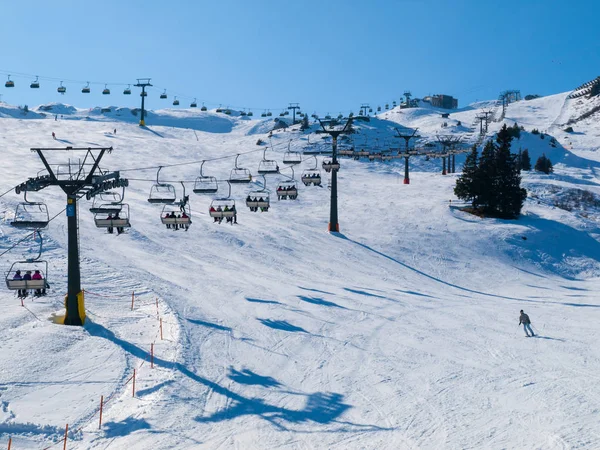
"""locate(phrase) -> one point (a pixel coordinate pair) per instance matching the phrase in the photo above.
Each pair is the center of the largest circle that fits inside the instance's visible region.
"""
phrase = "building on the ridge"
(444, 101)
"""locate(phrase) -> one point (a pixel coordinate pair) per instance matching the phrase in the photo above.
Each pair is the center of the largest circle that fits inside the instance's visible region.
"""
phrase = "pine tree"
(509, 194)
(486, 177)
(543, 164)
(466, 185)
(305, 125)
(525, 160)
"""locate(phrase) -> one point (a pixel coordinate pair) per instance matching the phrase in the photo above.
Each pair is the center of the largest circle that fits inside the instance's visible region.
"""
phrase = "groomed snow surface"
(401, 332)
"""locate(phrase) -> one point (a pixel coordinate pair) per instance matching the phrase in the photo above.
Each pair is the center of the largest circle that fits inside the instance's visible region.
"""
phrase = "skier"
(524, 319)
(53, 136)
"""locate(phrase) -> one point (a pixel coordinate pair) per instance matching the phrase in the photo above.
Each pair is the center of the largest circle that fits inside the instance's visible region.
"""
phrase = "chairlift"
(287, 190)
(282, 114)
(193, 104)
(162, 192)
(243, 113)
(30, 215)
(118, 219)
(239, 174)
(394, 104)
(127, 90)
(61, 89)
(259, 199)
(205, 184)
(312, 176)
(223, 208)
(203, 108)
(379, 109)
(387, 106)
(264, 114)
(35, 84)
(219, 109)
(250, 113)
(70, 171)
(269, 113)
(175, 101)
(267, 166)
(328, 165)
(163, 95)
(9, 83)
(177, 215)
(290, 157)
(143, 94)
(107, 202)
(23, 267)
(106, 90)
(86, 89)
(227, 111)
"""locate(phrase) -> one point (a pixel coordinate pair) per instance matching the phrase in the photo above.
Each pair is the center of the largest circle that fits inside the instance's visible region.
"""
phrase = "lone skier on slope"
(524, 319)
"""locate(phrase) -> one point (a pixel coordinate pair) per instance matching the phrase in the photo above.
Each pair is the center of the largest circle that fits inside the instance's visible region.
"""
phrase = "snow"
(398, 333)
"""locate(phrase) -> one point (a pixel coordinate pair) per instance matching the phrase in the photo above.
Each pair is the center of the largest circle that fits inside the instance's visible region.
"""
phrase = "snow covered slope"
(399, 333)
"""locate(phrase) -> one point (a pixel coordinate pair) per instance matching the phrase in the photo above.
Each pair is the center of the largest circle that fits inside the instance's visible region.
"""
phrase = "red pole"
(66, 431)
(161, 334)
(132, 299)
(152, 356)
(133, 392)
(101, 405)
(9, 442)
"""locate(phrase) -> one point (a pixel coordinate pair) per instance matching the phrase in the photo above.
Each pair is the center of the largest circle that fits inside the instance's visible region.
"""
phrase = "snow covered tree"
(525, 160)
(466, 185)
(543, 164)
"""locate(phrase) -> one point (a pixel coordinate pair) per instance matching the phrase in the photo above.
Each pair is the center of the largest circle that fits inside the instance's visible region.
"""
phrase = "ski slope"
(400, 332)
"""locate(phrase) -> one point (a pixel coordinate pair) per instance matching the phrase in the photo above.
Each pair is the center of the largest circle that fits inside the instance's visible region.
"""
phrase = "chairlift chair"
(287, 190)
(227, 111)
(30, 215)
(163, 95)
(106, 219)
(35, 84)
(259, 198)
(61, 89)
(269, 113)
(106, 90)
(205, 184)
(312, 175)
(172, 215)
(223, 208)
(203, 108)
(328, 165)
(267, 166)
(86, 89)
(143, 94)
(9, 83)
(162, 193)
(250, 114)
(107, 202)
(127, 90)
(28, 265)
(175, 102)
(239, 175)
(193, 104)
(290, 157)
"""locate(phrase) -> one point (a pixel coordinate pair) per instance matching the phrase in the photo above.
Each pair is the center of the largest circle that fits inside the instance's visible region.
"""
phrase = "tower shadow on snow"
(320, 407)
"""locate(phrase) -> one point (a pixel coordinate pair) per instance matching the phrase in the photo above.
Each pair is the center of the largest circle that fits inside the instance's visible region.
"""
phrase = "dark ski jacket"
(524, 319)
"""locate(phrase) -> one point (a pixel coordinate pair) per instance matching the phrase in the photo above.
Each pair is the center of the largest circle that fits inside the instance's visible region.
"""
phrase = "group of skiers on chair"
(177, 226)
(231, 220)
(258, 200)
(22, 293)
(285, 192)
(115, 217)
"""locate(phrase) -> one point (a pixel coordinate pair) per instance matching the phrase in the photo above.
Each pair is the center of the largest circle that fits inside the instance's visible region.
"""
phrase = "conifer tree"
(305, 125)
(486, 176)
(543, 164)
(525, 160)
(466, 185)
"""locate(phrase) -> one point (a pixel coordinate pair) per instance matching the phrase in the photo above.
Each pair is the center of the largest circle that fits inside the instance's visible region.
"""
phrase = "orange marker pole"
(133, 392)
(152, 356)
(9, 442)
(132, 299)
(101, 406)
(161, 334)
(66, 432)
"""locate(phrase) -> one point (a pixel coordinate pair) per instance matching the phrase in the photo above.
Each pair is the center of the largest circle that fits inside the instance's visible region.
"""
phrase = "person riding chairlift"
(38, 276)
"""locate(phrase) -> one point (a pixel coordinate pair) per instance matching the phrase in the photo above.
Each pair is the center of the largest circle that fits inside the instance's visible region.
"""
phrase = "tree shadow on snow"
(320, 407)
(209, 325)
(125, 427)
(258, 300)
(365, 293)
(246, 376)
(316, 290)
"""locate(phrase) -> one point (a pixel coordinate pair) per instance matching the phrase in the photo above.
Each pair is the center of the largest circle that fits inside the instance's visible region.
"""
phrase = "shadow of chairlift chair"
(171, 215)
(239, 175)
(162, 193)
(205, 184)
(30, 264)
(312, 176)
(30, 215)
(267, 166)
(259, 199)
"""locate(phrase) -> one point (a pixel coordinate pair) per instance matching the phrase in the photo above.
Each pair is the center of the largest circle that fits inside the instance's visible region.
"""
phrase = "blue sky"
(328, 55)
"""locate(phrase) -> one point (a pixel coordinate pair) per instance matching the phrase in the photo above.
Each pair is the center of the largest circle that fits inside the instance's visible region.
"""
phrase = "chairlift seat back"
(14, 285)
